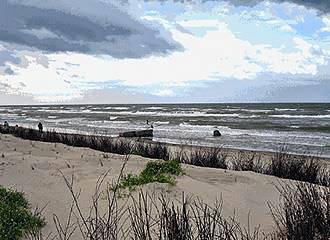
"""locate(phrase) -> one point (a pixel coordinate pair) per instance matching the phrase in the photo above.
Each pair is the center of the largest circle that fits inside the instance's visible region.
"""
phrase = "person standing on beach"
(40, 127)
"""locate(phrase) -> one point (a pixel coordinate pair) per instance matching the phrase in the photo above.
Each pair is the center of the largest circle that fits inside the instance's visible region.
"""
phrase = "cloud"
(326, 21)
(164, 93)
(11, 59)
(9, 71)
(321, 5)
(93, 27)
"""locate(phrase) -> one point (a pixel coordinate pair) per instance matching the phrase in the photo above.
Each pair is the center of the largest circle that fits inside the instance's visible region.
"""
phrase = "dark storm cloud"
(53, 29)
(321, 5)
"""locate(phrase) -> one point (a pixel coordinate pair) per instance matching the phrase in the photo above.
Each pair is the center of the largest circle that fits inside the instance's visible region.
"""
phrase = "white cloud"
(164, 93)
(326, 21)
(287, 28)
(200, 23)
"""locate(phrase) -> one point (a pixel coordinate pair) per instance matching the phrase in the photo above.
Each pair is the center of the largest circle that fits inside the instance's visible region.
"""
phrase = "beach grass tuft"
(304, 212)
(204, 157)
(152, 150)
(155, 171)
(304, 168)
(248, 161)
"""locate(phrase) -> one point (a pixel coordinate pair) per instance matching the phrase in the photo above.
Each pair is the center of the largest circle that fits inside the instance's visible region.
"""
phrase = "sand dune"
(33, 167)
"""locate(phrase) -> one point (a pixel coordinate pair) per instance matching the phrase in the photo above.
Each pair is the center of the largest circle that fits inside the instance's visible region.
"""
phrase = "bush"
(16, 219)
(155, 171)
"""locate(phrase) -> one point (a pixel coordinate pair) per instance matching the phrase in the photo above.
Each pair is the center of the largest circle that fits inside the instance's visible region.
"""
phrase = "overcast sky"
(134, 51)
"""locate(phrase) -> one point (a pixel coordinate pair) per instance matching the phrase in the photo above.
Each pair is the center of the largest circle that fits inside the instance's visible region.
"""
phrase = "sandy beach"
(34, 168)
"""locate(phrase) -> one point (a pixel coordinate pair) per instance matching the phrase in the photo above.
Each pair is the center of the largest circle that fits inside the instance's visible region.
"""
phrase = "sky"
(135, 51)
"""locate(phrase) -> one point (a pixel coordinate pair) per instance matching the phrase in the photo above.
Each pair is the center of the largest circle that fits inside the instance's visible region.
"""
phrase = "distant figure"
(151, 126)
(40, 126)
(147, 122)
(5, 124)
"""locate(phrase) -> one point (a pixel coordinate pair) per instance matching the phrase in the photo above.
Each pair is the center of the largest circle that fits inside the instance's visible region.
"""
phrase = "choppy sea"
(302, 127)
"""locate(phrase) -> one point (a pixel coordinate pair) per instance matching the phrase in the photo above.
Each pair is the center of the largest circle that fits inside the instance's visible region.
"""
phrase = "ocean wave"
(116, 108)
(113, 118)
(256, 110)
(161, 122)
(52, 117)
(69, 111)
(185, 124)
(249, 116)
(286, 109)
(32, 119)
(300, 116)
(174, 114)
(119, 122)
(8, 115)
(154, 108)
(86, 111)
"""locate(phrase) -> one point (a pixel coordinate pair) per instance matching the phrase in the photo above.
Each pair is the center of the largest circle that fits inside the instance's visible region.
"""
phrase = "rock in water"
(216, 133)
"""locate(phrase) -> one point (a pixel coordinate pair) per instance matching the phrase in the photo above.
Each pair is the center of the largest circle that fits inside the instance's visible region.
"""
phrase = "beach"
(35, 168)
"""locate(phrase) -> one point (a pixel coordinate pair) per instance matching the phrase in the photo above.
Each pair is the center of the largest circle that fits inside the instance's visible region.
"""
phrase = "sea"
(302, 128)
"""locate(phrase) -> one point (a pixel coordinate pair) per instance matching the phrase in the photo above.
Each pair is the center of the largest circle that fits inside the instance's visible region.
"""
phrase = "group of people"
(40, 126)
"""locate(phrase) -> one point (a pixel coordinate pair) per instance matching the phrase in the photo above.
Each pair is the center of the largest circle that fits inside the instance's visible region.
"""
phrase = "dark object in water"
(216, 133)
(141, 133)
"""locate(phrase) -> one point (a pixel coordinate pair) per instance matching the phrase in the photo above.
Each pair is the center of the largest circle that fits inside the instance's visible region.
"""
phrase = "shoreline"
(171, 145)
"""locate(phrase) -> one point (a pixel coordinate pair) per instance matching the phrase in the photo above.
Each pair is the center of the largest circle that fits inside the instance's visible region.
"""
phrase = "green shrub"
(155, 171)
(16, 219)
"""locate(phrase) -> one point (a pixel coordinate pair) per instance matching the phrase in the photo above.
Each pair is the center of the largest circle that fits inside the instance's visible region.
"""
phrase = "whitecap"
(286, 109)
(300, 116)
(154, 108)
(117, 108)
(161, 122)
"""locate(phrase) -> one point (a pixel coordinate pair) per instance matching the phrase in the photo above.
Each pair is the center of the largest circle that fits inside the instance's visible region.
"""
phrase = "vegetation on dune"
(283, 165)
(16, 219)
(204, 157)
(155, 171)
(304, 212)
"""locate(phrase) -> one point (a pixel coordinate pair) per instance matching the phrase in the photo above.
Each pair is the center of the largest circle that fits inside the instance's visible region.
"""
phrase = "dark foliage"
(304, 213)
(152, 150)
(204, 157)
